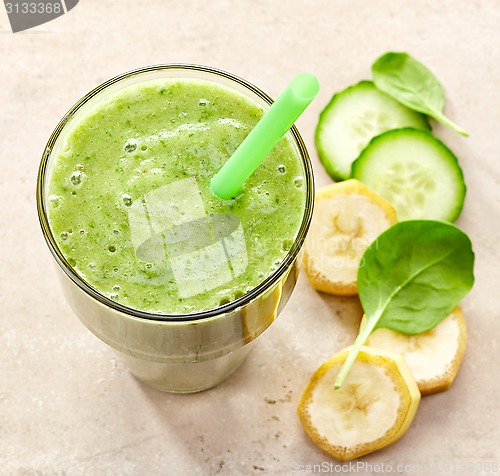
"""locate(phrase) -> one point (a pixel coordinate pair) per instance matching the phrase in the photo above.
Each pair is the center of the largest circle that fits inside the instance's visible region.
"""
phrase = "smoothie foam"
(156, 134)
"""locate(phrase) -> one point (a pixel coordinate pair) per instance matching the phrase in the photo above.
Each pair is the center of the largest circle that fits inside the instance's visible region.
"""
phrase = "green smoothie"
(164, 140)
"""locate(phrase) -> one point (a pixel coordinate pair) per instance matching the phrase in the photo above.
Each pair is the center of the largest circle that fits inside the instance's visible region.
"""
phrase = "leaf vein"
(399, 288)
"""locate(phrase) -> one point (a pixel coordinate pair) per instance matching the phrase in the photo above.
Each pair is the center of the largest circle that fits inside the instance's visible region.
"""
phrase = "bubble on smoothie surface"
(127, 199)
(281, 169)
(55, 200)
(238, 293)
(298, 182)
(77, 177)
(130, 145)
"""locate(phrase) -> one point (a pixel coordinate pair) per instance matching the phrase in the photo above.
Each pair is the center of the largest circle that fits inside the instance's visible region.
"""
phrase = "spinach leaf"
(411, 278)
(412, 84)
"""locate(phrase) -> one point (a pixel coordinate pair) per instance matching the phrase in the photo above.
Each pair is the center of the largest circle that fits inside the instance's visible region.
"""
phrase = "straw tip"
(305, 85)
(223, 190)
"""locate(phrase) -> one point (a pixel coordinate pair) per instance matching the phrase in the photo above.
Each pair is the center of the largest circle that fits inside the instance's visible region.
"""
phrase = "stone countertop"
(69, 407)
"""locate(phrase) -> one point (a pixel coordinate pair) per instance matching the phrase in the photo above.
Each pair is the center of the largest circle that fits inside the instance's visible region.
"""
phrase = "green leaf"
(410, 278)
(412, 84)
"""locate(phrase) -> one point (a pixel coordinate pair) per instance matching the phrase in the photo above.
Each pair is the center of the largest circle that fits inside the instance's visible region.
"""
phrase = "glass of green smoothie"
(177, 281)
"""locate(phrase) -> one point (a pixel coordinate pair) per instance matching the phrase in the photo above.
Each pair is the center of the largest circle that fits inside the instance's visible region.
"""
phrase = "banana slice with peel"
(348, 216)
(434, 357)
(373, 408)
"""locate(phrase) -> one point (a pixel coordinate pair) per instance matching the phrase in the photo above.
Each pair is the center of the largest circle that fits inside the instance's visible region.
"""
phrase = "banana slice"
(434, 357)
(373, 408)
(348, 216)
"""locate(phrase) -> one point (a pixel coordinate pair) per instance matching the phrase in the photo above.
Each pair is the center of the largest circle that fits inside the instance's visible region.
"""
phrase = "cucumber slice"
(415, 172)
(352, 118)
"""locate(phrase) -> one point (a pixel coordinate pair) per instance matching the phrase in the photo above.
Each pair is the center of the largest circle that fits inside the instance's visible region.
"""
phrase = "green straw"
(228, 181)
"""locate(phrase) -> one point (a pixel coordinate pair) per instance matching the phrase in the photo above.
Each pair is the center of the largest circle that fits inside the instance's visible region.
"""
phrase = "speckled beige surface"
(68, 407)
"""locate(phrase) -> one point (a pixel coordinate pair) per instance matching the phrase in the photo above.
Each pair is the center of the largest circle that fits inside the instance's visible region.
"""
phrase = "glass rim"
(258, 290)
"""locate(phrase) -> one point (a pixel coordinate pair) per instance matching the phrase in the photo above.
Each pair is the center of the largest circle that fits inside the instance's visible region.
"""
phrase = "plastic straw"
(228, 181)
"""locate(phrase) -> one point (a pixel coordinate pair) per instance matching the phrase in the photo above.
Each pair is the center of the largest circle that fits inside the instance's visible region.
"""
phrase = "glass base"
(186, 377)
